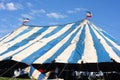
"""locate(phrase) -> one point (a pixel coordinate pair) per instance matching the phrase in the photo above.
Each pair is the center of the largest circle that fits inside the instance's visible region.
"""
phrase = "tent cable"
(9, 69)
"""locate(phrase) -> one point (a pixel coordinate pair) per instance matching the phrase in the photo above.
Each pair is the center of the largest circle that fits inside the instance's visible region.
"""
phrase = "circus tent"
(69, 43)
(75, 43)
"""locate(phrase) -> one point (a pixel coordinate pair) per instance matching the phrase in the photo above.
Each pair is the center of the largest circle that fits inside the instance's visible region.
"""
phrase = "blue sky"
(106, 13)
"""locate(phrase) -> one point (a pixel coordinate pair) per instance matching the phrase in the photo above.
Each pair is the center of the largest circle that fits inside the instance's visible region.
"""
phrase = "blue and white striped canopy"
(70, 43)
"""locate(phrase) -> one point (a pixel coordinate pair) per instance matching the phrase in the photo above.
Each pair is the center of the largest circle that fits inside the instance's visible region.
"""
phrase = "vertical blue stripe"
(101, 52)
(110, 37)
(48, 46)
(77, 53)
(25, 41)
(109, 43)
(32, 69)
(41, 76)
(62, 48)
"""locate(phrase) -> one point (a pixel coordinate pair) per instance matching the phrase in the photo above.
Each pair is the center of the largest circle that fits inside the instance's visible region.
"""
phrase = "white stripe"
(19, 39)
(36, 74)
(27, 69)
(50, 29)
(112, 42)
(38, 45)
(89, 54)
(12, 35)
(54, 49)
(109, 50)
(64, 56)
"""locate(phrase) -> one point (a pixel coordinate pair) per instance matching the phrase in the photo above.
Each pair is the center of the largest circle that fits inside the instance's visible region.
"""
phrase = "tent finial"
(25, 20)
(88, 15)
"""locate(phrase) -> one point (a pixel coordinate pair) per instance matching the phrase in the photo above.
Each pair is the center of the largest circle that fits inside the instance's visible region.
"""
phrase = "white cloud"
(29, 4)
(33, 13)
(10, 6)
(37, 12)
(56, 15)
(18, 6)
(2, 6)
(76, 10)
(42, 11)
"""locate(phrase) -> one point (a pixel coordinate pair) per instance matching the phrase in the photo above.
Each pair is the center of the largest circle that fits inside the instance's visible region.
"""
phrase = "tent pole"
(50, 65)
(98, 69)
(62, 70)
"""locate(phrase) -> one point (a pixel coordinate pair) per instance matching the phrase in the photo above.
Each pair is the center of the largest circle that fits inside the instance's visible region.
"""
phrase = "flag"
(88, 15)
(26, 20)
(36, 74)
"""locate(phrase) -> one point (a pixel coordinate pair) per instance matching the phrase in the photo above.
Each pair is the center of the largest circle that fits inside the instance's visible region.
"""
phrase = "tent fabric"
(35, 74)
(75, 42)
(32, 73)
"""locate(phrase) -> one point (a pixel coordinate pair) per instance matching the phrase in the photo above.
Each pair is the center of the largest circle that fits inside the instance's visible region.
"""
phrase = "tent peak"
(85, 21)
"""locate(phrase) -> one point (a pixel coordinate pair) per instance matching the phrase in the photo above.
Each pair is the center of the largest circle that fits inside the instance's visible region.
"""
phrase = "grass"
(5, 78)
